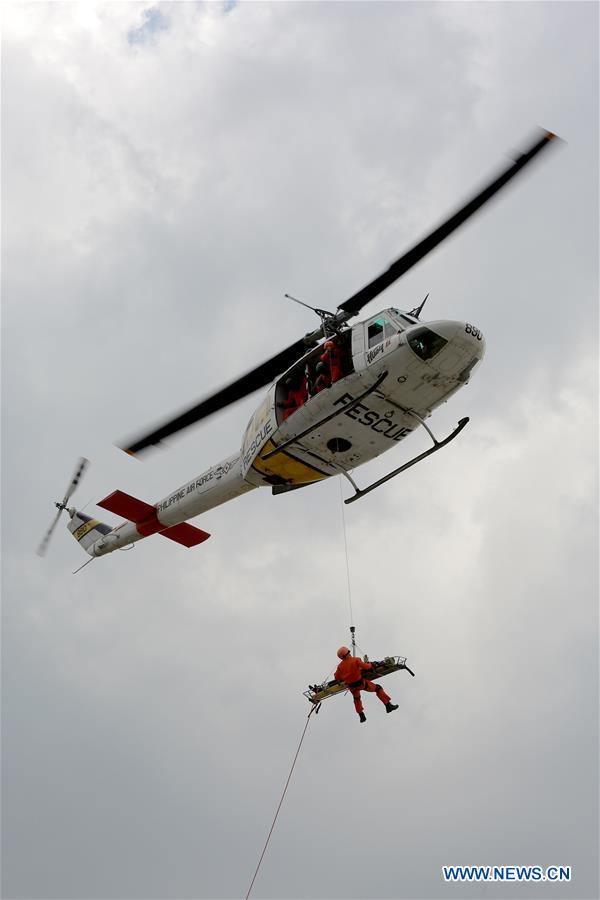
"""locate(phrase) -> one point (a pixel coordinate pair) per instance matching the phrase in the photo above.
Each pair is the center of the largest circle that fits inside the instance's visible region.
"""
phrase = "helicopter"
(339, 397)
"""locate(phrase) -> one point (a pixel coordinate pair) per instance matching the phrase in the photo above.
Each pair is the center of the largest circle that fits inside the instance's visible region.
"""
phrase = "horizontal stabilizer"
(147, 521)
(186, 534)
(127, 506)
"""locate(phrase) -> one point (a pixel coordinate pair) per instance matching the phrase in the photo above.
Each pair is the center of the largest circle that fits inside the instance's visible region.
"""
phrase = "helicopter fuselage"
(336, 406)
(397, 371)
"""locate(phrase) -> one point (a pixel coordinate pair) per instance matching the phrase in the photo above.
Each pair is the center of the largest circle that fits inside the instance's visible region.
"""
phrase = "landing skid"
(437, 445)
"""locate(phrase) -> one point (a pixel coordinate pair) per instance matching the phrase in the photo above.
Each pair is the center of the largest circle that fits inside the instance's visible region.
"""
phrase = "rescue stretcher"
(318, 692)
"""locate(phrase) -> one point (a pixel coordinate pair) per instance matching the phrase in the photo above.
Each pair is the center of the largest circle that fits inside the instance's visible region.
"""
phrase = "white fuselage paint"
(374, 425)
(217, 485)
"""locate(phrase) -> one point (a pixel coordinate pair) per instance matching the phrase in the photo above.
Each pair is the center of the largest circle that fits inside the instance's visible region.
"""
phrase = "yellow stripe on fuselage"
(83, 529)
(284, 466)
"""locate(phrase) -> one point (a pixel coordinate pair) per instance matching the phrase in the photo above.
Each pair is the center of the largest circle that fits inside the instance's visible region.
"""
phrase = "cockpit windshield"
(426, 343)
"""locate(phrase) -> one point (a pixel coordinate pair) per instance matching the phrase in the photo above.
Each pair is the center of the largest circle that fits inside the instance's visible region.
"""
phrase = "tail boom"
(169, 516)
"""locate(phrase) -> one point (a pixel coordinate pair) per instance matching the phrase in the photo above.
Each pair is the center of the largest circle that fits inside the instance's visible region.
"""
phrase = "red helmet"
(329, 345)
(342, 652)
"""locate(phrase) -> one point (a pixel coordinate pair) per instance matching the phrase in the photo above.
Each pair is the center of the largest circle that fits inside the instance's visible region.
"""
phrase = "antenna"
(416, 312)
(328, 319)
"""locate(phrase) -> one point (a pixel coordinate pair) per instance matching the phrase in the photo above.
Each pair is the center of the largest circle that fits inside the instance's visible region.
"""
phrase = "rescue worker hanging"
(350, 671)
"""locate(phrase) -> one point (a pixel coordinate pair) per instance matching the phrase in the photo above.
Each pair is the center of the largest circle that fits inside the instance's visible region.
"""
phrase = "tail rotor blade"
(77, 475)
(41, 550)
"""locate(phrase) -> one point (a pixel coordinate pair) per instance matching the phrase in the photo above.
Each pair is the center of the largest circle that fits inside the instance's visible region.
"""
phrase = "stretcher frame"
(316, 693)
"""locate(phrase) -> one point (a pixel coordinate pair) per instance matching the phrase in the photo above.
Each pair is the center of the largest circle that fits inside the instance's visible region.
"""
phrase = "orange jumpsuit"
(335, 359)
(294, 400)
(350, 670)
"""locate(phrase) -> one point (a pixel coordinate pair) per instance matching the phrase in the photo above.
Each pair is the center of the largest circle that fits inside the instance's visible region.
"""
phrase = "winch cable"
(352, 627)
(317, 706)
(281, 800)
(347, 561)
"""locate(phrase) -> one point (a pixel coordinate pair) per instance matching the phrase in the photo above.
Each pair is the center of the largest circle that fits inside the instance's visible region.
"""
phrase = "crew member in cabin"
(309, 379)
(334, 358)
(350, 671)
(323, 379)
(296, 396)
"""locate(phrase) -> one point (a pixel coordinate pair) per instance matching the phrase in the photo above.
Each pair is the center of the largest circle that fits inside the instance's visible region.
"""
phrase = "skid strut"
(437, 445)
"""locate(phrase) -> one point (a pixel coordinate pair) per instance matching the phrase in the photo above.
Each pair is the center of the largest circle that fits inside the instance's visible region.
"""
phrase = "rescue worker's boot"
(390, 707)
(362, 717)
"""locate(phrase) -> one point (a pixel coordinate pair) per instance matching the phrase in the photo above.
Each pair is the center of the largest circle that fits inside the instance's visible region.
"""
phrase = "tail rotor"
(61, 506)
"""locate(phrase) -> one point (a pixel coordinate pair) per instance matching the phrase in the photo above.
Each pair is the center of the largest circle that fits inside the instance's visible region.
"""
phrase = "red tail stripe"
(147, 522)
(185, 534)
(127, 506)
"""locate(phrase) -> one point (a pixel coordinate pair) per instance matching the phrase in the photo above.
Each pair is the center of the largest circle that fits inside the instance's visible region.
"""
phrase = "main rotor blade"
(237, 390)
(273, 367)
(77, 475)
(41, 550)
(398, 268)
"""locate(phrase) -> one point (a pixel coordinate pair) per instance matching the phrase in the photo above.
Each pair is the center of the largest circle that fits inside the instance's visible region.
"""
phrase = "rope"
(346, 551)
(280, 803)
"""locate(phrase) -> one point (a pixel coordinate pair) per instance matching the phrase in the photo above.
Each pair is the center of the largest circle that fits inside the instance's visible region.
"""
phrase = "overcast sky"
(169, 171)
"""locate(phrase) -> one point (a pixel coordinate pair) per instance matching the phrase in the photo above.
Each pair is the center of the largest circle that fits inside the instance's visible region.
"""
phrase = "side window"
(375, 332)
(389, 330)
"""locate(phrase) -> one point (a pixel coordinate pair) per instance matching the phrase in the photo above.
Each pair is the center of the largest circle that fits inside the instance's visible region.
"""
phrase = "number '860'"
(470, 329)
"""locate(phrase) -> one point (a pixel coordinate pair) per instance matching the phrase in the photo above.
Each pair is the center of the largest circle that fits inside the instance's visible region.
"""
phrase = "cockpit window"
(375, 332)
(426, 343)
